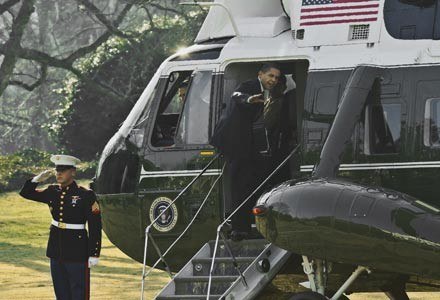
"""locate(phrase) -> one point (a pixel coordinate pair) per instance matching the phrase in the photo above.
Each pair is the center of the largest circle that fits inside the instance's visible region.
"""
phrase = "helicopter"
(361, 197)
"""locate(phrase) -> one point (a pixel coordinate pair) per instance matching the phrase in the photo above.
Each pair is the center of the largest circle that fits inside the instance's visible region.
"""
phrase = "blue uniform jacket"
(74, 205)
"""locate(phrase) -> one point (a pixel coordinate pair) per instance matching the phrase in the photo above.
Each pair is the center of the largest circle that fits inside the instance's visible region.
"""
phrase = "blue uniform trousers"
(71, 280)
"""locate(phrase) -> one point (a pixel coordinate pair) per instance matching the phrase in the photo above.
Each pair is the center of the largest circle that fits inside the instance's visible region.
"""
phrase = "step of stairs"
(222, 265)
(198, 285)
(247, 248)
(193, 280)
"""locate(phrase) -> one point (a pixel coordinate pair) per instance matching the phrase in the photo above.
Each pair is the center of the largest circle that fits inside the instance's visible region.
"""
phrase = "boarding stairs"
(221, 269)
(257, 260)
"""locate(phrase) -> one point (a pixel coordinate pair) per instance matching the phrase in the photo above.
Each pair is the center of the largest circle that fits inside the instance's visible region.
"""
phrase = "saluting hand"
(258, 98)
(43, 176)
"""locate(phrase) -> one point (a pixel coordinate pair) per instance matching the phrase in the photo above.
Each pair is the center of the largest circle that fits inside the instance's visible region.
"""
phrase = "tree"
(90, 118)
(44, 41)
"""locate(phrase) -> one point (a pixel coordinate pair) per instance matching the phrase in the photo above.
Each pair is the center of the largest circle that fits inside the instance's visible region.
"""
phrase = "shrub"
(16, 168)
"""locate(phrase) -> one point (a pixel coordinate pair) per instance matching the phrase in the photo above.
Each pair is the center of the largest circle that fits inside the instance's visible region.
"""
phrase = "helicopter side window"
(412, 19)
(170, 108)
(383, 124)
(432, 123)
(194, 122)
(326, 100)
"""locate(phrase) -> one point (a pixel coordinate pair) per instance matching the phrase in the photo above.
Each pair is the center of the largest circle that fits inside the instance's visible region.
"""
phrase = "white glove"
(43, 176)
(93, 261)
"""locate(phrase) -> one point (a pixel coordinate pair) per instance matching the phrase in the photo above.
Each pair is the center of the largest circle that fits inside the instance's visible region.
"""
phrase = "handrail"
(187, 227)
(148, 228)
(219, 228)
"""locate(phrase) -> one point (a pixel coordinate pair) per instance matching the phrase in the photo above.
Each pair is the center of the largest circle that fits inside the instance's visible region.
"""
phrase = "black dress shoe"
(227, 228)
(237, 236)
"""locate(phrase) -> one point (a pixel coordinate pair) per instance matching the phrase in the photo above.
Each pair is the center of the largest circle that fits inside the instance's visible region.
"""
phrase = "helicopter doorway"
(295, 72)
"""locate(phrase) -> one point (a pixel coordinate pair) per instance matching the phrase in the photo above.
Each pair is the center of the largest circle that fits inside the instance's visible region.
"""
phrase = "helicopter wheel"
(308, 296)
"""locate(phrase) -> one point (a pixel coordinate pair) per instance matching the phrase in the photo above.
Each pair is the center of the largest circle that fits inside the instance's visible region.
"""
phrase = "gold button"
(61, 208)
(61, 196)
(61, 219)
(62, 202)
(67, 188)
(64, 193)
(61, 213)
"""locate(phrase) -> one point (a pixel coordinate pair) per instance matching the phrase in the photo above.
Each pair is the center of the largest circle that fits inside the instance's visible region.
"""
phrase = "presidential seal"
(167, 219)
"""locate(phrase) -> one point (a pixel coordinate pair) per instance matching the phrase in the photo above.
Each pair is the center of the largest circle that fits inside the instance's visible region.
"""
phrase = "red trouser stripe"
(87, 293)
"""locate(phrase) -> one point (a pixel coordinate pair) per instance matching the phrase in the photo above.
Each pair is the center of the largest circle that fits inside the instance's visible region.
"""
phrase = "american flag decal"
(323, 12)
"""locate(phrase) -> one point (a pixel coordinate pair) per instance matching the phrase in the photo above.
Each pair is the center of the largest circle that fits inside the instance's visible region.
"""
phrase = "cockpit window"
(194, 122)
(383, 128)
(432, 123)
(412, 19)
(170, 108)
(184, 111)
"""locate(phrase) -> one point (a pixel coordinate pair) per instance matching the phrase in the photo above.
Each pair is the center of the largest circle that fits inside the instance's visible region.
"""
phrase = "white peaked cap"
(61, 159)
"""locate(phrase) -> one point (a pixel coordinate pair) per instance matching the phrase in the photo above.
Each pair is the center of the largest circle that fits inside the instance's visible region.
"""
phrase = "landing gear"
(397, 295)
(396, 290)
(317, 270)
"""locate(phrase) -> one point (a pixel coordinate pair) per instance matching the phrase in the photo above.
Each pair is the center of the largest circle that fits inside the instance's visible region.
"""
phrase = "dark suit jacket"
(233, 133)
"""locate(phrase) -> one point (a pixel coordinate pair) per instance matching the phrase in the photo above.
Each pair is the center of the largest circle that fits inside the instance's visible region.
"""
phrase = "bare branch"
(87, 49)
(48, 60)
(150, 17)
(38, 82)
(111, 26)
(15, 117)
(64, 62)
(7, 123)
(10, 47)
(168, 9)
(8, 4)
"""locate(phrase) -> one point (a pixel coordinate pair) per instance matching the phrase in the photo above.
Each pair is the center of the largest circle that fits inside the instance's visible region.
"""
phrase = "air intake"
(359, 32)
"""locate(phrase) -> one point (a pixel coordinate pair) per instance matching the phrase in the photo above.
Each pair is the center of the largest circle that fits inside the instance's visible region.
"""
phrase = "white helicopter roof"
(328, 33)
(254, 18)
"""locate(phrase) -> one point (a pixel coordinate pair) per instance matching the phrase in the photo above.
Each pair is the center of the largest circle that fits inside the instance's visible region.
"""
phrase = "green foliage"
(16, 168)
(121, 68)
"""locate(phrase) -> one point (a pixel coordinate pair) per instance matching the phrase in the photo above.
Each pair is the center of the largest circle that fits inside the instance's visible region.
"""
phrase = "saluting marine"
(71, 249)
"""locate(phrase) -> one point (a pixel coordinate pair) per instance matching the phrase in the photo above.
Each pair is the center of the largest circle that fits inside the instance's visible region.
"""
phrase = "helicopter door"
(178, 149)
(424, 180)
(380, 139)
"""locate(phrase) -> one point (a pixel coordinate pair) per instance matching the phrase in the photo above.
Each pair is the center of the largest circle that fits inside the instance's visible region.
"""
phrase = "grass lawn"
(24, 268)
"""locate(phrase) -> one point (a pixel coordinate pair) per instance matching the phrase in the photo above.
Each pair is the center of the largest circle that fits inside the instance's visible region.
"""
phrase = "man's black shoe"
(227, 228)
(237, 236)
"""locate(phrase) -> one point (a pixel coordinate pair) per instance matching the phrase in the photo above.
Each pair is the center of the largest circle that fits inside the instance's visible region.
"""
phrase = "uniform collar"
(70, 186)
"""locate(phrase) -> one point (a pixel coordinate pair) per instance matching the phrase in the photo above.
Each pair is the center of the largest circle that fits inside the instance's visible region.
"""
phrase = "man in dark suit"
(71, 249)
(239, 137)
